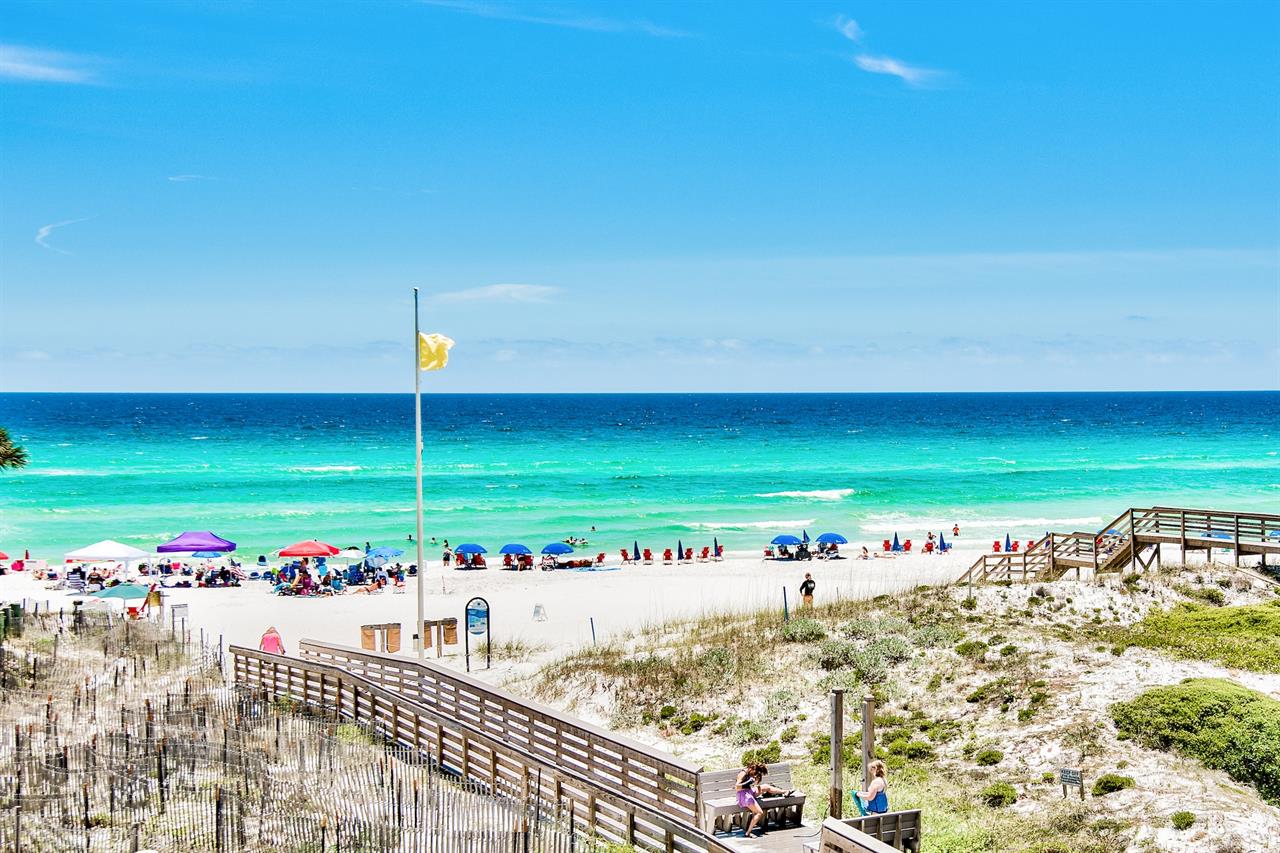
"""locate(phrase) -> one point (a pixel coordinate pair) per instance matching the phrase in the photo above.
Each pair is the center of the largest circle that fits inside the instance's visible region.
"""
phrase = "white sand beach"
(619, 602)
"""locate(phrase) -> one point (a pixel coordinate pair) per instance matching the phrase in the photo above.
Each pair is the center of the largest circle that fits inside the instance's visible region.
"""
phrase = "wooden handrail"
(666, 781)
(614, 814)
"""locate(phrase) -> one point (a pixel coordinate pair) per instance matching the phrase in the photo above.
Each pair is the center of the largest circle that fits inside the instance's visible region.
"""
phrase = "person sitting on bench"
(750, 786)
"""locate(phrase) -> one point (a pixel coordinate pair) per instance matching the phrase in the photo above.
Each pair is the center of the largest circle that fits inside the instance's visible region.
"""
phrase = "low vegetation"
(1222, 724)
(1243, 637)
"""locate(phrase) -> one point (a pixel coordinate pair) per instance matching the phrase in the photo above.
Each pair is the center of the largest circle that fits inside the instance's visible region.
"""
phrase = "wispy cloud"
(43, 66)
(534, 14)
(182, 179)
(43, 232)
(849, 28)
(501, 293)
(912, 75)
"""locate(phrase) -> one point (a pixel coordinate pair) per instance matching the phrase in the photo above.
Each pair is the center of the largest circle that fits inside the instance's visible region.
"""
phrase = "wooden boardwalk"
(1136, 539)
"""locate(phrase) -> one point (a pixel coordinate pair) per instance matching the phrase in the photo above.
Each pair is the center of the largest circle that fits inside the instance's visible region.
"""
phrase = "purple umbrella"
(196, 540)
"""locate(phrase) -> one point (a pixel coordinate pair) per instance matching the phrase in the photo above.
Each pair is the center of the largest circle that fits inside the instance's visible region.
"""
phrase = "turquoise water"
(267, 470)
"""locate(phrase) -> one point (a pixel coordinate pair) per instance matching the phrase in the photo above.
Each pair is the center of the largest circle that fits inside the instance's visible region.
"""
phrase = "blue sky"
(626, 196)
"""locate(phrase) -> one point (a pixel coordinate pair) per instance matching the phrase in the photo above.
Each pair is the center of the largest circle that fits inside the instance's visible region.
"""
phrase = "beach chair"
(626, 557)
(928, 547)
(719, 553)
(666, 556)
(648, 557)
(688, 555)
(1030, 544)
(1015, 545)
(887, 546)
(768, 553)
(995, 547)
(600, 559)
(906, 546)
(507, 562)
(705, 555)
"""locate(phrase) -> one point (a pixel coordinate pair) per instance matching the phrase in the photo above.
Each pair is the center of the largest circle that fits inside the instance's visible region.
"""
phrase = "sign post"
(1071, 777)
(478, 626)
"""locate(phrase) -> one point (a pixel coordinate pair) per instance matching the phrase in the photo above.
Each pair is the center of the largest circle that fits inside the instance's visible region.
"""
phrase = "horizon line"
(649, 393)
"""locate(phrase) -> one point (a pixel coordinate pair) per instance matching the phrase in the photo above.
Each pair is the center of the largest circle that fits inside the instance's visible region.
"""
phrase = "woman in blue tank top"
(874, 800)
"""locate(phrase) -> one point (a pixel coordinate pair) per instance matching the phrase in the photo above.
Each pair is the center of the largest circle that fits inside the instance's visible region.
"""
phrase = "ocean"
(270, 469)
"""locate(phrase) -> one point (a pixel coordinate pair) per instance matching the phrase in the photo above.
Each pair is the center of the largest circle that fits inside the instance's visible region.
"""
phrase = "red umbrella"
(3, 555)
(310, 548)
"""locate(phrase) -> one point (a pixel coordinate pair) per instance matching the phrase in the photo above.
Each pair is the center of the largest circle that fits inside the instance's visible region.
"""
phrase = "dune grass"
(1244, 637)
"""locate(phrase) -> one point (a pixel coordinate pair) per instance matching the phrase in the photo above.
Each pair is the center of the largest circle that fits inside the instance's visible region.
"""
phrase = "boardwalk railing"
(653, 777)
(1123, 542)
(471, 745)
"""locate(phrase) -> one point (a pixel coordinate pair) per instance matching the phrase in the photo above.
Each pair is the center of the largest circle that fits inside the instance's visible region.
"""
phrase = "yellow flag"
(433, 351)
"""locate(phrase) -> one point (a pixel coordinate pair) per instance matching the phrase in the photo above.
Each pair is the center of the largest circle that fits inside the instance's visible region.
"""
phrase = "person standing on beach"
(447, 555)
(806, 590)
(955, 531)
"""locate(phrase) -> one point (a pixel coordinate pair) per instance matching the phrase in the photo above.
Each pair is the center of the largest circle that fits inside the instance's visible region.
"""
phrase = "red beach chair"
(626, 557)
(995, 547)
(768, 553)
(888, 546)
(906, 546)
(719, 553)
(705, 555)
(600, 559)
(1015, 545)
(648, 557)
(928, 547)
(1030, 544)
(507, 562)
(666, 556)
(688, 555)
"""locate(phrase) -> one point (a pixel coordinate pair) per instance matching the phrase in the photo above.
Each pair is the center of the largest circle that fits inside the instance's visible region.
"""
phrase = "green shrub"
(998, 690)
(1109, 783)
(836, 654)
(1244, 637)
(972, 649)
(1222, 724)
(970, 603)
(932, 636)
(820, 750)
(989, 757)
(892, 648)
(916, 750)
(1007, 651)
(789, 734)
(667, 712)
(771, 753)
(803, 630)
(999, 794)
(1208, 595)
(1047, 776)
(746, 731)
(1182, 820)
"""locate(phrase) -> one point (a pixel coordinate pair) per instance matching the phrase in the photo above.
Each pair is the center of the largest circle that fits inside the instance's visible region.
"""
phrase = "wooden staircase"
(1133, 539)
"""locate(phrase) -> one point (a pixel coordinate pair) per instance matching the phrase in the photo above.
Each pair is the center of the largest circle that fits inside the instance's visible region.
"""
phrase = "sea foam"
(816, 494)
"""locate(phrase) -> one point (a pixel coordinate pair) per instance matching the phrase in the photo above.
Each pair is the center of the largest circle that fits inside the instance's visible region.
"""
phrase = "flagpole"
(417, 430)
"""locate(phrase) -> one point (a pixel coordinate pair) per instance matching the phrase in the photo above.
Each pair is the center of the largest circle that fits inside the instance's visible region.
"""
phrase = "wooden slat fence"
(472, 748)
(653, 777)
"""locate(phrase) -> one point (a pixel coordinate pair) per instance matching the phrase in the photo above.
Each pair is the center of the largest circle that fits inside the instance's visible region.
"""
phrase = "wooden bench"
(720, 809)
(899, 830)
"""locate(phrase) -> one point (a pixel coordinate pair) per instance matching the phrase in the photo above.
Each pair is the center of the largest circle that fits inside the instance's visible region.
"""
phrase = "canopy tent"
(557, 548)
(108, 550)
(309, 548)
(832, 539)
(196, 540)
(785, 539)
(515, 549)
(122, 591)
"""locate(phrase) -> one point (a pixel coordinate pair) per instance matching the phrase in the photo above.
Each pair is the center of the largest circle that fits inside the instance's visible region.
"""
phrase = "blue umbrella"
(1008, 546)
(896, 546)
(806, 537)
(122, 591)
(206, 555)
(785, 539)
(469, 548)
(514, 548)
(557, 548)
(679, 550)
(715, 550)
(635, 550)
(832, 539)
(384, 552)
(942, 542)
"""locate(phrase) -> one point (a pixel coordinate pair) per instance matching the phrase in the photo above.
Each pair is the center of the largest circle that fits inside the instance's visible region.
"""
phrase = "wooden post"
(868, 738)
(1182, 536)
(836, 794)
(1237, 541)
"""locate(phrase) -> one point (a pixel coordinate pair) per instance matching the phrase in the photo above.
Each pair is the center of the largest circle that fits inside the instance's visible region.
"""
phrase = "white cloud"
(182, 179)
(501, 293)
(910, 74)
(849, 28)
(42, 66)
(531, 14)
(43, 232)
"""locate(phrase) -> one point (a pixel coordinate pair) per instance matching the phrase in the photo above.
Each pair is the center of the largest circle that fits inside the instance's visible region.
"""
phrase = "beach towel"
(598, 569)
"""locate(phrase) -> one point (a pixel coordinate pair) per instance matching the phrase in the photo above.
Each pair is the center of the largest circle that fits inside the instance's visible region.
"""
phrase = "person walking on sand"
(955, 531)
(806, 591)
(874, 800)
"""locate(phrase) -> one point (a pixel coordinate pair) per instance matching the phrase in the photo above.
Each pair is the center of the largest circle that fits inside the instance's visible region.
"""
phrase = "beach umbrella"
(196, 540)
(715, 546)
(122, 591)
(679, 550)
(785, 539)
(635, 549)
(832, 539)
(3, 555)
(1008, 546)
(805, 540)
(514, 548)
(470, 548)
(557, 548)
(942, 542)
(309, 548)
(207, 555)
(384, 552)
(896, 546)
